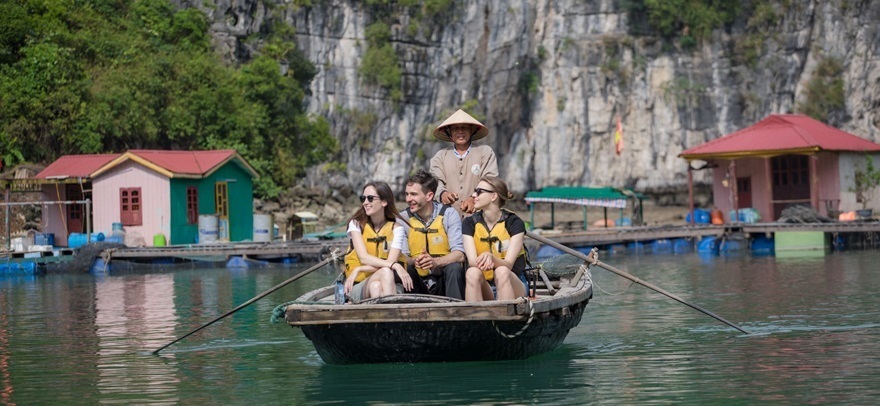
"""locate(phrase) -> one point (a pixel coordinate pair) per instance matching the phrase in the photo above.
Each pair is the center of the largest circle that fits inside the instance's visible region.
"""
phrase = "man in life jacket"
(434, 243)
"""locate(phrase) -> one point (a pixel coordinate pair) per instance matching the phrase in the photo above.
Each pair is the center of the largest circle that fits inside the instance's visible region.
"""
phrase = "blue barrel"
(616, 248)
(662, 246)
(701, 217)
(636, 246)
(708, 245)
(115, 238)
(76, 240)
(546, 252)
(762, 245)
(584, 250)
(44, 239)
(682, 246)
(625, 222)
(732, 246)
(116, 227)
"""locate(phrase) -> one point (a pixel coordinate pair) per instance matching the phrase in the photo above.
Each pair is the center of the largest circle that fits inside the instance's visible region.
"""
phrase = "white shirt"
(398, 241)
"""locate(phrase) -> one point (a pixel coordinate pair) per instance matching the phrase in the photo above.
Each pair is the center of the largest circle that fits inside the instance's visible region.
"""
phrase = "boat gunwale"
(297, 314)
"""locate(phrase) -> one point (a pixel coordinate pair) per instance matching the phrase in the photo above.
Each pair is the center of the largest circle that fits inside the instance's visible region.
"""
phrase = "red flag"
(618, 137)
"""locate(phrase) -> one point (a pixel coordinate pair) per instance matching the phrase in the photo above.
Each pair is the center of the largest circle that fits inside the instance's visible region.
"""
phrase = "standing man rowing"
(461, 167)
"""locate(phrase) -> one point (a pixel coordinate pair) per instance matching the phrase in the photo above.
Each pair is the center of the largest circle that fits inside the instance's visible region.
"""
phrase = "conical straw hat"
(460, 117)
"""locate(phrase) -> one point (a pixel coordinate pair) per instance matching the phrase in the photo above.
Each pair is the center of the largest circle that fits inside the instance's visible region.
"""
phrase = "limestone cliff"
(549, 79)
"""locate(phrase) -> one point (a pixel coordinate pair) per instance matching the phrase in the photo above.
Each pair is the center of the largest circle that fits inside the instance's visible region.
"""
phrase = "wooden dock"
(608, 236)
(262, 251)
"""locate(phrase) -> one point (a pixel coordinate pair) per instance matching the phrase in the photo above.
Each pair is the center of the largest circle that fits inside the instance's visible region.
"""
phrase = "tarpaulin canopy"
(579, 195)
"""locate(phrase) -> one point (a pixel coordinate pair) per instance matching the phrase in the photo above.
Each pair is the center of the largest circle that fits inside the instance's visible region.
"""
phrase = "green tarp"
(580, 195)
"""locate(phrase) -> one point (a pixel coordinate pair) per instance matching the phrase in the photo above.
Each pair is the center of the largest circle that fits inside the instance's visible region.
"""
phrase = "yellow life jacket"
(377, 246)
(428, 238)
(495, 240)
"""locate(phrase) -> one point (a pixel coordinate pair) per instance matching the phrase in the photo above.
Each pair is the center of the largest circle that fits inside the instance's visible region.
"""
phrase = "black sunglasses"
(480, 191)
(367, 198)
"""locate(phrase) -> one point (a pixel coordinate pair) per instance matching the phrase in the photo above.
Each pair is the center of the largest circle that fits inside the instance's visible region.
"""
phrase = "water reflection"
(816, 325)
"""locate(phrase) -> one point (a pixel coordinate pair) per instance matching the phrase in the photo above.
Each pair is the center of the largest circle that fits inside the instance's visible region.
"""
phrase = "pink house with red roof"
(150, 193)
(784, 160)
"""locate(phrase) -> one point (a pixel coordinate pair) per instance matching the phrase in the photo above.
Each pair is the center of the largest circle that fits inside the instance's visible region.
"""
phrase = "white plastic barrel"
(207, 228)
(262, 227)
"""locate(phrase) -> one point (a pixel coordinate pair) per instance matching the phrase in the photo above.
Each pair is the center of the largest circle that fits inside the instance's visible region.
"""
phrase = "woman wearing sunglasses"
(493, 243)
(371, 265)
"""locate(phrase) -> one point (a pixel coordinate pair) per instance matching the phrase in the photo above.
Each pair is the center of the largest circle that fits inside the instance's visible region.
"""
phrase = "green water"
(82, 339)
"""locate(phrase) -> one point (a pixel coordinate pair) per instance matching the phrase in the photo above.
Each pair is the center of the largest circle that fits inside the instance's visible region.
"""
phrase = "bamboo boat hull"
(417, 328)
(441, 341)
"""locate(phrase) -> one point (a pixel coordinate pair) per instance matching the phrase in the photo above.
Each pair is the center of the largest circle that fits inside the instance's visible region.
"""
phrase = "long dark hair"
(385, 193)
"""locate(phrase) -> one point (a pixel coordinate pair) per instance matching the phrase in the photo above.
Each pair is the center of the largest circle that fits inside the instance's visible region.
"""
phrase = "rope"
(526, 326)
(594, 259)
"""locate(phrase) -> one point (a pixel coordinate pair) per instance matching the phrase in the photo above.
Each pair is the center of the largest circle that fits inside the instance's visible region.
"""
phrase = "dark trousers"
(447, 281)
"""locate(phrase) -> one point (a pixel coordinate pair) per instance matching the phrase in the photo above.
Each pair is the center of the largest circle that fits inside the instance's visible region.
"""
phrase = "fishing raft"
(421, 328)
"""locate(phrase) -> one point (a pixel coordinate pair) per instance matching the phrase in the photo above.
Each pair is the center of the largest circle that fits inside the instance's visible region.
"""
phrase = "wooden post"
(88, 221)
(691, 193)
(585, 217)
(814, 183)
(8, 234)
(552, 215)
(734, 185)
(532, 215)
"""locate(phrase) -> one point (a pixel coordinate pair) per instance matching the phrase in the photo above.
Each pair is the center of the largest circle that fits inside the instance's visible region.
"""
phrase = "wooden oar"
(254, 299)
(612, 269)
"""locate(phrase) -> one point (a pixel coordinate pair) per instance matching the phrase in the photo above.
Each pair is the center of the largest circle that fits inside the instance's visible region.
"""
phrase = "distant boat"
(420, 328)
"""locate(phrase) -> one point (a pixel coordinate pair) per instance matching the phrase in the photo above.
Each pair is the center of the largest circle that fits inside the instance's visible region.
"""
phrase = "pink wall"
(53, 218)
(752, 168)
(828, 170)
(758, 169)
(156, 195)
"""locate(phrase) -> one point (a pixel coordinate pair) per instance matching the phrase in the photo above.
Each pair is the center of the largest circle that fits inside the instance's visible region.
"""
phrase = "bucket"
(262, 227)
(207, 228)
(116, 227)
(159, 240)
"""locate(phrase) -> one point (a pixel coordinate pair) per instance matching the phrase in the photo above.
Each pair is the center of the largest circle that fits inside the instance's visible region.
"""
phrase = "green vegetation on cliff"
(93, 76)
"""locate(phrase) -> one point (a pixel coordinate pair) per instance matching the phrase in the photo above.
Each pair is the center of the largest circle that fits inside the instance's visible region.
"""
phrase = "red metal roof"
(186, 162)
(76, 166)
(779, 134)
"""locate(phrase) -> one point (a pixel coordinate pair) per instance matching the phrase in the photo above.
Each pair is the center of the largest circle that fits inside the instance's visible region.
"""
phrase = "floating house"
(150, 193)
(784, 160)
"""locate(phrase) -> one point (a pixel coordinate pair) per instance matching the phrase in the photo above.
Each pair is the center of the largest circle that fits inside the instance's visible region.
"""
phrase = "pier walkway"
(607, 236)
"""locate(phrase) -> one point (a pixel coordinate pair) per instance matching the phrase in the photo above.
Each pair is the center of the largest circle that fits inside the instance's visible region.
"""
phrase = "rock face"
(549, 79)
